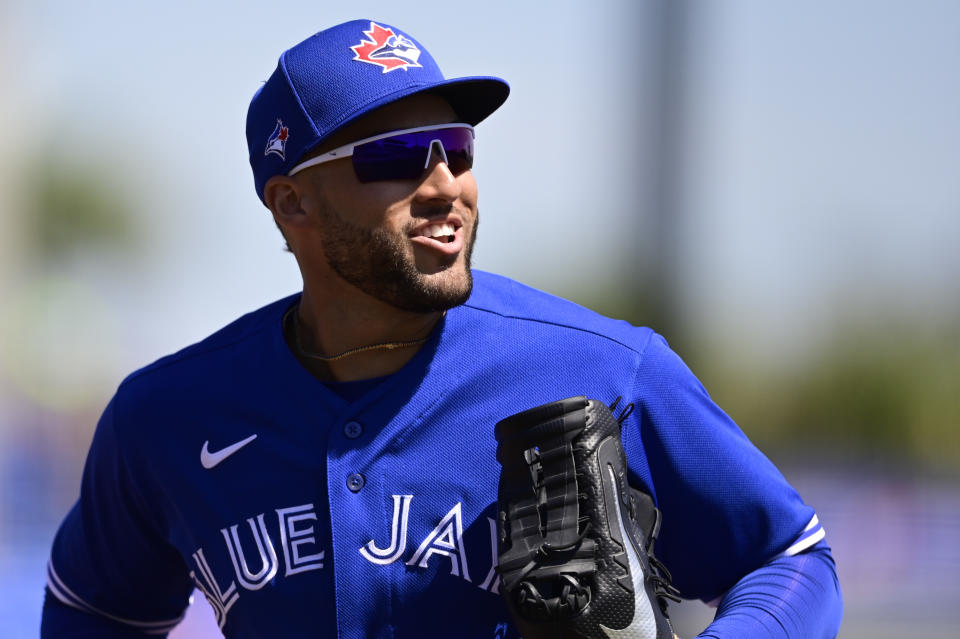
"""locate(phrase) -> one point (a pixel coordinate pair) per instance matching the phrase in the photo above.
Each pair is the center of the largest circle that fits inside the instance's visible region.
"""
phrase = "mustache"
(427, 211)
(424, 212)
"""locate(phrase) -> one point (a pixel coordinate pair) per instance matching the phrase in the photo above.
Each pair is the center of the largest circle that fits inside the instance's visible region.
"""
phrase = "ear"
(282, 196)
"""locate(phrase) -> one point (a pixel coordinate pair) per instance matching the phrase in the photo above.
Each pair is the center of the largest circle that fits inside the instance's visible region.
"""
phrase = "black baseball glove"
(575, 541)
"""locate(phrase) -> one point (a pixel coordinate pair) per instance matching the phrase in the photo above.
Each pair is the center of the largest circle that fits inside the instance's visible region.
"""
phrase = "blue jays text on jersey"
(227, 467)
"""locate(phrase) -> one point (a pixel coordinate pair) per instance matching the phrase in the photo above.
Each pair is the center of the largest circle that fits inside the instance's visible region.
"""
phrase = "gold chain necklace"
(386, 346)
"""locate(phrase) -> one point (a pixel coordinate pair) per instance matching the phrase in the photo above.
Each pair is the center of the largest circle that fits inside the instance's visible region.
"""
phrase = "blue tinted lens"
(403, 156)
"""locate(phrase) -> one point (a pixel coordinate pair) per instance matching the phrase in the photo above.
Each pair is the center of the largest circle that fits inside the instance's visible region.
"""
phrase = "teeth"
(438, 230)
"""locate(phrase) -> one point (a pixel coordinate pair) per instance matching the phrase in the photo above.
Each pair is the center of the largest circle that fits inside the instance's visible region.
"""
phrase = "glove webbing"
(545, 538)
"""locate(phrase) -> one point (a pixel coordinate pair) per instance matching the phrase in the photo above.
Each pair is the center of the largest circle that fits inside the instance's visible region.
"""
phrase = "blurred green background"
(772, 186)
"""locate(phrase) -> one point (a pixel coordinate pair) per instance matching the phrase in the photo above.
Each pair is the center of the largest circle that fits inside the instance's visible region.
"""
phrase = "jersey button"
(355, 482)
(352, 430)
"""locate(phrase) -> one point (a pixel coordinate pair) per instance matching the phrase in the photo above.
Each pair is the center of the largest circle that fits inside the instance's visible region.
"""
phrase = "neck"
(331, 325)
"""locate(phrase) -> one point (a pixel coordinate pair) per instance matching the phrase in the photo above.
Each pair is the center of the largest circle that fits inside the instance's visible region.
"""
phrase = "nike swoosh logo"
(209, 460)
(644, 623)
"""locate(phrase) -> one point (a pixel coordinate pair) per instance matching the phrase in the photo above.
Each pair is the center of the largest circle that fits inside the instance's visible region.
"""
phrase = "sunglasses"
(403, 154)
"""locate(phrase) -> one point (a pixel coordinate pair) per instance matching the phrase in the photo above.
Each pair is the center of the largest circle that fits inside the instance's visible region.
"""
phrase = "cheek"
(468, 189)
(368, 205)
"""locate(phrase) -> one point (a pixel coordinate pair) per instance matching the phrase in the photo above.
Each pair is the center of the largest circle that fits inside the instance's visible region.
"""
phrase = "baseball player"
(326, 466)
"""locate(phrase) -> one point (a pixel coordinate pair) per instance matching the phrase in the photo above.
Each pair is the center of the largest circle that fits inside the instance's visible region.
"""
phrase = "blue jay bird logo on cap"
(386, 49)
(277, 142)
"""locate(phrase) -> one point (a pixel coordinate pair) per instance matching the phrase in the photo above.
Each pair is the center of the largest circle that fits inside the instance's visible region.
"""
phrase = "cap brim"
(472, 98)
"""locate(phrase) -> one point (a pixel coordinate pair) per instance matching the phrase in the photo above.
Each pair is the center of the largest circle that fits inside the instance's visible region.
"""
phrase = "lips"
(443, 236)
(441, 232)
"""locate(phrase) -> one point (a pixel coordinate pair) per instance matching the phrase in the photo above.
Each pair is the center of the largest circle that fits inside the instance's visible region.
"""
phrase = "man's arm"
(111, 566)
(732, 525)
(61, 621)
(791, 597)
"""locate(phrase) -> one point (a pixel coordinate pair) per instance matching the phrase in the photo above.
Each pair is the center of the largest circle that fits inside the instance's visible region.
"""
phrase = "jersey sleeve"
(726, 508)
(792, 597)
(61, 621)
(110, 557)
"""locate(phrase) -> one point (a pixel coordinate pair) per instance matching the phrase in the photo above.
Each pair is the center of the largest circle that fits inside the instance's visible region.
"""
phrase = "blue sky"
(820, 151)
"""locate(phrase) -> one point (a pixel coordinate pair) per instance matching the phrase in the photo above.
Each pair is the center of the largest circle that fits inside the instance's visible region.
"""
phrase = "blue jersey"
(227, 467)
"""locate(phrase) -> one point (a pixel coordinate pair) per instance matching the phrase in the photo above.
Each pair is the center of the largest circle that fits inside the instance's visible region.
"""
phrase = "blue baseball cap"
(338, 75)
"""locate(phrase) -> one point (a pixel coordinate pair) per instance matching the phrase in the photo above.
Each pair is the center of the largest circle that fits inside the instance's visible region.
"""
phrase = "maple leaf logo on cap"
(386, 49)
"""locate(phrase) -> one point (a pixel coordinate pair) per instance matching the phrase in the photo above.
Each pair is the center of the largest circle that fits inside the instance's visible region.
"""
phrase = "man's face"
(391, 239)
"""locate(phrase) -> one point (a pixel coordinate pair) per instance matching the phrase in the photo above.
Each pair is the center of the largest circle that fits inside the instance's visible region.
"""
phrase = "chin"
(434, 292)
(453, 284)
(454, 272)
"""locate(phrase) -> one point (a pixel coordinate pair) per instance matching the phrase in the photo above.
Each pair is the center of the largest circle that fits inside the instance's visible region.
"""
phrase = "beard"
(378, 263)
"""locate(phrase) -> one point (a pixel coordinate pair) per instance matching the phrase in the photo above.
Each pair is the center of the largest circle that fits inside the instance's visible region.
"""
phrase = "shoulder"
(528, 309)
(527, 322)
(213, 360)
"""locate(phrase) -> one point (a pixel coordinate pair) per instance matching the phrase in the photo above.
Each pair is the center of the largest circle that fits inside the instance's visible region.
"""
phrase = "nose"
(439, 183)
